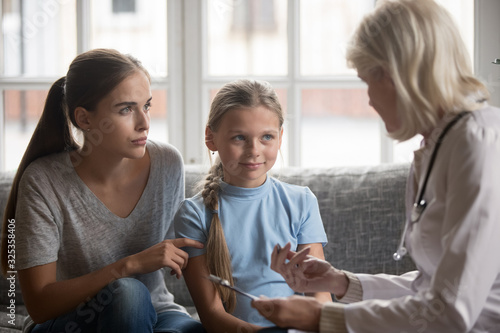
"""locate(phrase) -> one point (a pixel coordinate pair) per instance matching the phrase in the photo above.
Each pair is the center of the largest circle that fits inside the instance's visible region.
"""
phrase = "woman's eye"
(126, 110)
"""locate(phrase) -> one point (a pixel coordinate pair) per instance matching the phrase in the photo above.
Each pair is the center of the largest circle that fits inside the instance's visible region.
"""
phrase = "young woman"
(419, 81)
(242, 213)
(93, 222)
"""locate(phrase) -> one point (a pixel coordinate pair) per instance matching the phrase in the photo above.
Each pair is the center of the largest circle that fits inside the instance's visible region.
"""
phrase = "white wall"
(487, 45)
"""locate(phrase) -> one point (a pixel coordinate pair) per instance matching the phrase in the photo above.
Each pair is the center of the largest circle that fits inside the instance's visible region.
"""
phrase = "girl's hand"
(164, 254)
(293, 312)
(308, 274)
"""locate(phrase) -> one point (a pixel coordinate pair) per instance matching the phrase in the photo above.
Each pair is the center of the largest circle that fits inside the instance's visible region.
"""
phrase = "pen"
(225, 283)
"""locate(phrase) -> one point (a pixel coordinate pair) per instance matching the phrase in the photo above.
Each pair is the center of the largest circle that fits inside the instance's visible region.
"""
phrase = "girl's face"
(120, 124)
(382, 94)
(248, 141)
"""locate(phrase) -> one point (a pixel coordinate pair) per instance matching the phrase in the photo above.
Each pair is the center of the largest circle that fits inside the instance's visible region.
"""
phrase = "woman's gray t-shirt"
(58, 218)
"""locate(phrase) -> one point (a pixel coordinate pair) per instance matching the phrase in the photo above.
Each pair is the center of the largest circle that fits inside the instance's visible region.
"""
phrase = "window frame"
(188, 84)
(197, 79)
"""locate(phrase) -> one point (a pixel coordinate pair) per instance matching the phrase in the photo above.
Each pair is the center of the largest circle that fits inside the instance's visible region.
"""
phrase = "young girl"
(90, 218)
(241, 213)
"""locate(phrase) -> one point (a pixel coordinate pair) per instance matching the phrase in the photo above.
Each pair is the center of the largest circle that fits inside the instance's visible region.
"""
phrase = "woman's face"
(120, 124)
(382, 94)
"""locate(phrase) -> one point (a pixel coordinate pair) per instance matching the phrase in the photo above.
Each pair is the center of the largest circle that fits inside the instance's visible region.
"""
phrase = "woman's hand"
(164, 254)
(293, 312)
(308, 274)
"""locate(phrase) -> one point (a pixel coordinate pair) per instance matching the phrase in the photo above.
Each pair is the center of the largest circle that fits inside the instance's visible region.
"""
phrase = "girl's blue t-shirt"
(254, 220)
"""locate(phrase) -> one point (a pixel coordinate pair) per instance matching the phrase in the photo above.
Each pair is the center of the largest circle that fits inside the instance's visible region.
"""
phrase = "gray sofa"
(362, 210)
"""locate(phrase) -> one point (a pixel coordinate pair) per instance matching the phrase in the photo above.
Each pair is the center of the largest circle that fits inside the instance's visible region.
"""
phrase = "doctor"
(419, 81)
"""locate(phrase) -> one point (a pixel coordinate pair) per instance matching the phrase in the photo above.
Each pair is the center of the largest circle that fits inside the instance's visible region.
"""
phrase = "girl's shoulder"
(191, 209)
(292, 189)
(195, 202)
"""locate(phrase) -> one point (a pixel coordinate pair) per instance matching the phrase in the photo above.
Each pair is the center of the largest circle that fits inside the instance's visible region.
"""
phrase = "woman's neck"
(102, 167)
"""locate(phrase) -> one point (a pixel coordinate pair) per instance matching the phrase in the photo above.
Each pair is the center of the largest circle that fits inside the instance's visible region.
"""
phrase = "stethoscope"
(420, 204)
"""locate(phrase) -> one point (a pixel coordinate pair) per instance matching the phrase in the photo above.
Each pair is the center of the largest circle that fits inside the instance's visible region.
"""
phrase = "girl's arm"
(207, 300)
(317, 251)
(46, 298)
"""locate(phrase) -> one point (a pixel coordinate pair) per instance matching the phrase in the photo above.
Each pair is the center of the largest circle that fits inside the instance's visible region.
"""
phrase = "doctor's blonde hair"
(418, 44)
(241, 94)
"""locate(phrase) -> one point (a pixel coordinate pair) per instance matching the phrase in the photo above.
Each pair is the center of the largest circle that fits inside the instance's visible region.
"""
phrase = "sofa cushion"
(363, 212)
(362, 208)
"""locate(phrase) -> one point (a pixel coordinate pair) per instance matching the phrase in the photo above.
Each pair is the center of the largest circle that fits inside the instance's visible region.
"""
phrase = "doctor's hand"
(292, 312)
(307, 274)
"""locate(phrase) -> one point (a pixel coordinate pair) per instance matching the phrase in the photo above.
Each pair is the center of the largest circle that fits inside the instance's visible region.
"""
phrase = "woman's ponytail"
(52, 134)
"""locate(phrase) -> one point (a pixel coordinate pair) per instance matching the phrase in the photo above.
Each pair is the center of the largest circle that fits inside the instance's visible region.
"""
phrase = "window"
(28, 28)
(123, 6)
(41, 38)
(300, 50)
(193, 47)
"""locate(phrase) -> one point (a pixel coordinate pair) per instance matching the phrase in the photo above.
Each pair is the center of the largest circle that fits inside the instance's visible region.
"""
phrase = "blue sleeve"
(311, 227)
(189, 222)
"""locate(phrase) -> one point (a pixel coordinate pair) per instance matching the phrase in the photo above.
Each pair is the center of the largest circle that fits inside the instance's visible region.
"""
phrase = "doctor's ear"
(209, 139)
(387, 76)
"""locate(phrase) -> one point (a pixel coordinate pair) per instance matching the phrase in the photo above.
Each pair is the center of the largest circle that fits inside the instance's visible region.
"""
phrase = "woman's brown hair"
(91, 76)
(241, 94)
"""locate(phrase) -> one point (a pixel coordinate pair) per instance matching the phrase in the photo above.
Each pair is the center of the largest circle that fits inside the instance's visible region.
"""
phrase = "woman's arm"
(46, 298)
(316, 250)
(207, 300)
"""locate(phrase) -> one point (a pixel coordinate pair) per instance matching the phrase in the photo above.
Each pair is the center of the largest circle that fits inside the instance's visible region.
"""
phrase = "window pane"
(23, 108)
(463, 14)
(247, 37)
(338, 128)
(158, 129)
(138, 27)
(41, 41)
(403, 151)
(325, 28)
(283, 156)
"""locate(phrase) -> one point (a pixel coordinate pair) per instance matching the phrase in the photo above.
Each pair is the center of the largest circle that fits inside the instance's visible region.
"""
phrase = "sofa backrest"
(363, 212)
